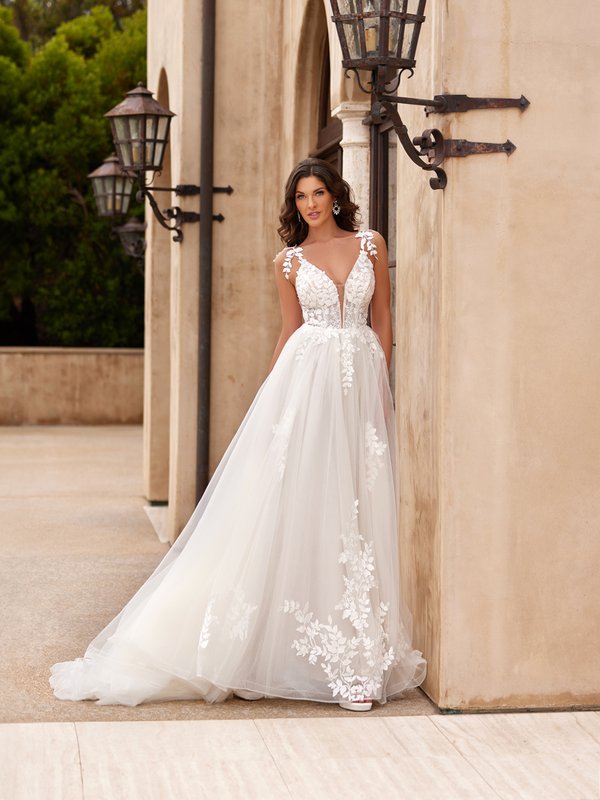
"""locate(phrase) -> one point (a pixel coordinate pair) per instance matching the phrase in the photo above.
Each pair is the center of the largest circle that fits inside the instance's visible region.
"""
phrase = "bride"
(285, 581)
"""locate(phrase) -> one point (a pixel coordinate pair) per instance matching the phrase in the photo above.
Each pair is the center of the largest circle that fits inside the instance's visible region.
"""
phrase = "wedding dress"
(285, 581)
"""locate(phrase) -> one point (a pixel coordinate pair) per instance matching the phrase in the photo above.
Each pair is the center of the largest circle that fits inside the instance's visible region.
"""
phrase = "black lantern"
(381, 36)
(132, 238)
(112, 188)
(140, 129)
(376, 33)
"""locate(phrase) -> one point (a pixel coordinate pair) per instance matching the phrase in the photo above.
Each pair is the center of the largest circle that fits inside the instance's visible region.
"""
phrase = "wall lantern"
(140, 130)
(381, 36)
(132, 236)
(112, 188)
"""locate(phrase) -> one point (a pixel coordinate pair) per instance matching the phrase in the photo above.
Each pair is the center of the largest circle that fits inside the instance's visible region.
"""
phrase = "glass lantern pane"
(371, 7)
(151, 127)
(135, 127)
(396, 35)
(159, 154)
(125, 200)
(124, 154)
(150, 150)
(101, 204)
(353, 40)
(409, 32)
(347, 6)
(163, 128)
(121, 128)
(137, 155)
(372, 36)
(119, 185)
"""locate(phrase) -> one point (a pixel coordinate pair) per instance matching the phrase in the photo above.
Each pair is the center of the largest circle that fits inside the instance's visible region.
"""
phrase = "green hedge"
(59, 263)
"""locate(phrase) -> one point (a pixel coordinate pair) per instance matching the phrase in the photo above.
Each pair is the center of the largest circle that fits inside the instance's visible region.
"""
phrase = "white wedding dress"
(285, 581)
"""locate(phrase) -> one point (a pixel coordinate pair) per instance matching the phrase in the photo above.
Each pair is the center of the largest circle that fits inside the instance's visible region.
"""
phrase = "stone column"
(156, 361)
(356, 146)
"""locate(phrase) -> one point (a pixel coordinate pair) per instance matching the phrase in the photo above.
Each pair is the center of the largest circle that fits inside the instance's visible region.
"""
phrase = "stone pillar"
(356, 146)
(156, 362)
(157, 339)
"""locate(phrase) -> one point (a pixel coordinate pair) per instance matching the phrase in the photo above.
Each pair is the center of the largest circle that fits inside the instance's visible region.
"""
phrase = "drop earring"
(299, 216)
(336, 207)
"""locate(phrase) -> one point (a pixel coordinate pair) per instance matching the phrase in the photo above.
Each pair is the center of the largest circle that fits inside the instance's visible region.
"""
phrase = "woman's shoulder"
(283, 260)
(372, 241)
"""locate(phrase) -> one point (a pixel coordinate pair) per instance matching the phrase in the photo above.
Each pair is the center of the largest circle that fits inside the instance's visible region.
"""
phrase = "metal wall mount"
(430, 149)
(175, 213)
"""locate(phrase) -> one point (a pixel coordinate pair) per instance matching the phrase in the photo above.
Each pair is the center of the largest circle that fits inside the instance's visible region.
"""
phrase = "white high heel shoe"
(364, 705)
(246, 694)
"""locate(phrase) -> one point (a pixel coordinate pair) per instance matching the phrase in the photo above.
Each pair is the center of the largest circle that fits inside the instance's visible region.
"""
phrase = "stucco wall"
(55, 386)
(499, 364)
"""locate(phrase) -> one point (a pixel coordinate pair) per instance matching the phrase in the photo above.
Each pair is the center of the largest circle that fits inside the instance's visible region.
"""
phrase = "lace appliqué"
(354, 666)
(281, 439)
(347, 342)
(374, 450)
(347, 362)
(237, 619)
(287, 263)
(367, 243)
(209, 620)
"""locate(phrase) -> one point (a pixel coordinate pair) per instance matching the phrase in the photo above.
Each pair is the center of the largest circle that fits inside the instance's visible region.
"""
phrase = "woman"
(285, 581)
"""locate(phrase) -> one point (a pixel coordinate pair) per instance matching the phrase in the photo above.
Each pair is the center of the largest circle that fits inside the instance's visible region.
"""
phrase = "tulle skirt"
(285, 581)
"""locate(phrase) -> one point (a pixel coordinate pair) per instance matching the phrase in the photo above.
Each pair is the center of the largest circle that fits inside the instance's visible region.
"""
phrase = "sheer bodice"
(328, 304)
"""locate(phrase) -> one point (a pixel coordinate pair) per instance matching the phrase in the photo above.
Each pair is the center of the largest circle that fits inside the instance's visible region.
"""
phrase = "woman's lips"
(314, 214)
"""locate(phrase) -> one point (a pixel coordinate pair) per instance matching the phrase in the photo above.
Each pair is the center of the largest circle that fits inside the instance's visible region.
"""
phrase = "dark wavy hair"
(293, 230)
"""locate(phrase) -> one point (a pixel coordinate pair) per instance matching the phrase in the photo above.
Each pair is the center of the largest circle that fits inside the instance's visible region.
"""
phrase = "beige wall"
(498, 364)
(68, 385)
(267, 80)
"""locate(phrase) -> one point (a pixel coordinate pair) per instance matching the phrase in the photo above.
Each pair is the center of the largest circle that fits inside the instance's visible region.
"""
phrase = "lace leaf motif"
(237, 618)
(374, 450)
(353, 664)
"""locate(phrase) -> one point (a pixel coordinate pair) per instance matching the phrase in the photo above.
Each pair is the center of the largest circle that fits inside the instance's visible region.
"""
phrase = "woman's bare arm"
(381, 315)
(291, 313)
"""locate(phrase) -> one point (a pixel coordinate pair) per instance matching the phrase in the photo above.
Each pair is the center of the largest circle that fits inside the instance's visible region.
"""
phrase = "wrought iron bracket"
(459, 148)
(431, 148)
(430, 144)
(459, 103)
(175, 213)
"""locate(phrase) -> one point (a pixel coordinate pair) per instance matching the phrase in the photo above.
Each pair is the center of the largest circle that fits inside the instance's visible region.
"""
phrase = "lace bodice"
(330, 305)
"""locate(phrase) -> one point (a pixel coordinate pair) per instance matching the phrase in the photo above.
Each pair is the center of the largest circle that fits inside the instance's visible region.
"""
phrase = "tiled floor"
(528, 756)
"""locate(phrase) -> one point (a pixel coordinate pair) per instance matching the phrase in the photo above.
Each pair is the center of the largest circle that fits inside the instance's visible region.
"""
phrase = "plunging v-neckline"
(327, 275)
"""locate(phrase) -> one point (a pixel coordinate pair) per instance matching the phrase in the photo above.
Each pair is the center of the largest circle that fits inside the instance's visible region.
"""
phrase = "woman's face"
(313, 200)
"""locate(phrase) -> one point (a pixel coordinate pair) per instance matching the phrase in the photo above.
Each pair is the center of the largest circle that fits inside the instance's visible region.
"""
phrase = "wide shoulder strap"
(287, 264)
(367, 245)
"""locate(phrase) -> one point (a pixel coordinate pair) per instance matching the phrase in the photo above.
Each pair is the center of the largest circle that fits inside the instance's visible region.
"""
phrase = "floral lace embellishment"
(287, 264)
(281, 439)
(374, 450)
(355, 665)
(238, 617)
(366, 242)
(209, 621)
(347, 362)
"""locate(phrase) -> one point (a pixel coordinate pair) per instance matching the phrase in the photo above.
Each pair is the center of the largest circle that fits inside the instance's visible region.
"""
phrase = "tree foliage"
(56, 255)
